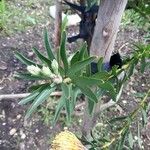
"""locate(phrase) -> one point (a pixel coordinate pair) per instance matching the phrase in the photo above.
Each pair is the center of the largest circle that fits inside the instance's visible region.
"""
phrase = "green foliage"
(72, 77)
(17, 16)
(121, 131)
(2, 6)
(137, 15)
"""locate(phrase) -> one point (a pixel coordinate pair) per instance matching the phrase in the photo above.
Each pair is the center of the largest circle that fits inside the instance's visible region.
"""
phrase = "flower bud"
(67, 141)
(34, 70)
(57, 79)
(55, 66)
(46, 71)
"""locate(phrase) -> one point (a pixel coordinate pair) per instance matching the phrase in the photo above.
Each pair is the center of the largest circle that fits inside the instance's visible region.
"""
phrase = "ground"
(16, 133)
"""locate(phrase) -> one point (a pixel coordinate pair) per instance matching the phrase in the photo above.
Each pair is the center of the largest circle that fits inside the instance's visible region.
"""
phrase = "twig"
(22, 95)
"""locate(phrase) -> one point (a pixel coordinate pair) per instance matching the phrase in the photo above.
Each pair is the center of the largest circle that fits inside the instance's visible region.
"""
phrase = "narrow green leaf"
(144, 117)
(28, 76)
(48, 46)
(74, 93)
(89, 93)
(100, 64)
(65, 89)
(110, 89)
(64, 23)
(91, 105)
(63, 51)
(82, 51)
(87, 81)
(79, 66)
(25, 60)
(101, 75)
(35, 87)
(40, 99)
(59, 107)
(42, 57)
(130, 139)
(75, 58)
(121, 118)
(122, 140)
(29, 98)
(143, 64)
(68, 109)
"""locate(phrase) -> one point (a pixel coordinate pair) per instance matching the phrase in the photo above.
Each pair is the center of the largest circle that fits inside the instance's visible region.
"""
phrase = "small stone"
(18, 116)
(124, 101)
(23, 136)
(135, 138)
(143, 84)
(36, 130)
(4, 123)
(12, 131)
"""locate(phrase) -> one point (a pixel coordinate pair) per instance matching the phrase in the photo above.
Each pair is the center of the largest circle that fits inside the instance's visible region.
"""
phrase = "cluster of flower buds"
(67, 141)
(45, 71)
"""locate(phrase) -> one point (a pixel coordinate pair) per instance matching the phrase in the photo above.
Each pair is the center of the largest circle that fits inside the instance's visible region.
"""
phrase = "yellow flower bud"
(67, 141)
(34, 70)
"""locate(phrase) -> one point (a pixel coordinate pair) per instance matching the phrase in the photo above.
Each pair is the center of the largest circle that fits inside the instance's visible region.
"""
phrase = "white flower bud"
(35, 70)
(46, 71)
(55, 66)
(58, 79)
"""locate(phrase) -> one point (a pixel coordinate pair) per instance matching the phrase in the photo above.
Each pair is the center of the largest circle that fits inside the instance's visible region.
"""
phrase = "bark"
(58, 22)
(108, 21)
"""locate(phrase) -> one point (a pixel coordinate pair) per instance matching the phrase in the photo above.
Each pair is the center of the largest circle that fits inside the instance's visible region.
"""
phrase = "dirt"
(16, 133)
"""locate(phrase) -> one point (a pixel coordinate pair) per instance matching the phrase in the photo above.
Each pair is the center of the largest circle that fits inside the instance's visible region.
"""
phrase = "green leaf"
(59, 107)
(131, 69)
(63, 51)
(100, 64)
(48, 46)
(91, 105)
(75, 58)
(89, 93)
(109, 88)
(79, 66)
(122, 140)
(28, 76)
(82, 51)
(64, 23)
(143, 64)
(144, 117)
(35, 87)
(74, 93)
(130, 140)
(87, 81)
(42, 57)
(29, 98)
(40, 99)
(25, 60)
(101, 75)
(65, 89)
(121, 118)
(68, 109)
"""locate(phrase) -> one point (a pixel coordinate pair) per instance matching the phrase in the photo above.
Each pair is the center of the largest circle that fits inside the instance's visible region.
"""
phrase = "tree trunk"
(58, 22)
(108, 21)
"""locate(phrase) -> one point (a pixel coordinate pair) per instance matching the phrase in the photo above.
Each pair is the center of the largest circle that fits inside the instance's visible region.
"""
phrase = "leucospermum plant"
(73, 76)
